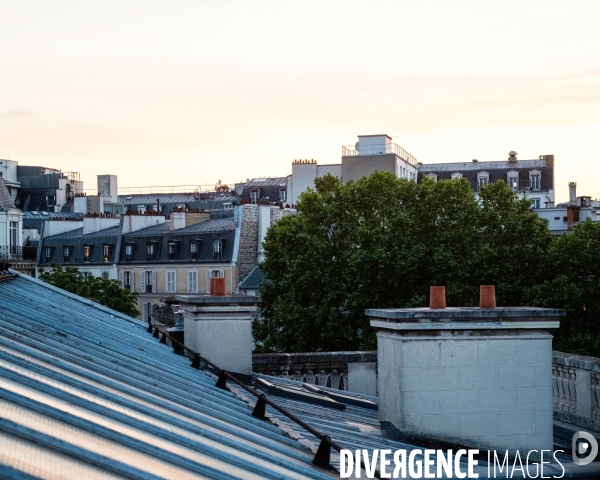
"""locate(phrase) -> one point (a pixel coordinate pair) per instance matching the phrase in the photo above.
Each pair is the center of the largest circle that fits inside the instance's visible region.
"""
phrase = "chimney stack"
(572, 193)
(512, 156)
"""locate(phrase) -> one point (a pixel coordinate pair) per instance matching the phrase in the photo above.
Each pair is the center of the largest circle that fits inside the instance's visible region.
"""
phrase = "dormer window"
(217, 249)
(150, 251)
(128, 252)
(48, 254)
(172, 250)
(456, 175)
(66, 254)
(535, 180)
(254, 195)
(194, 250)
(512, 178)
(483, 179)
(106, 253)
(87, 253)
(433, 176)
(282, 194)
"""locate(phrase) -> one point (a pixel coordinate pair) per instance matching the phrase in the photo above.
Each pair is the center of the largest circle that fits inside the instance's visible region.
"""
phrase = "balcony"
(11, 253)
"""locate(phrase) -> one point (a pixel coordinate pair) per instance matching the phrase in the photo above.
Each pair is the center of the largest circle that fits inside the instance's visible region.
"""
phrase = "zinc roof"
(85, 392)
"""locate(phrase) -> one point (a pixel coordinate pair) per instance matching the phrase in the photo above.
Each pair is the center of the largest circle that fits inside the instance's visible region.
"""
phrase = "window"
(104, 275)
(171, 281)
(51, 199)
(535, 180)
(433, 176)
(512, 178)
(172, 250)
(456, 175)
(213, 274)
(48, 254)
(66, 254)
(106, 253)
(14, 234)
(217, 250)
(86, 275)
(150, 249)
(254, 195)
(228, 206)
(87, 253)
(482, 179)
(148, 282)
(141, 209)
(535, 203)
(194, 250)
(128, 253)
(127, 280)
(282, 194)
(192, 281)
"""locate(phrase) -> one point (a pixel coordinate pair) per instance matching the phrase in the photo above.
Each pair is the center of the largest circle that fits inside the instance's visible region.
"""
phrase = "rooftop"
(87, 393)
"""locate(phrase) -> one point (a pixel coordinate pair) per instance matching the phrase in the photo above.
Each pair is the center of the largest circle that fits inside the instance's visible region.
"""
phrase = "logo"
(585, 448)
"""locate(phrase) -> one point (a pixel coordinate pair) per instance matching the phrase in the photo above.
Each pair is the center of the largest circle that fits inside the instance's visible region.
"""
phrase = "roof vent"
(512, 156)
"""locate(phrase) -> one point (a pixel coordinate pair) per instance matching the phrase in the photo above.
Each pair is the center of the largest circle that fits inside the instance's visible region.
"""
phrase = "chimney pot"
(437, 297)
(487, 296)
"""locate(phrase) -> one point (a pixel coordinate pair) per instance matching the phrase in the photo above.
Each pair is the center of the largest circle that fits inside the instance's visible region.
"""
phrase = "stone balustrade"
(576, 390)
(352, 371)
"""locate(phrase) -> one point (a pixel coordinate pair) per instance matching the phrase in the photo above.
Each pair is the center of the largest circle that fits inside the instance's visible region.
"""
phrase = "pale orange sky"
(191, 92)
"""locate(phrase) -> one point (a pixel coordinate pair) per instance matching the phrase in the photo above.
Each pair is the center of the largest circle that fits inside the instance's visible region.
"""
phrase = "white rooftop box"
(374, 144)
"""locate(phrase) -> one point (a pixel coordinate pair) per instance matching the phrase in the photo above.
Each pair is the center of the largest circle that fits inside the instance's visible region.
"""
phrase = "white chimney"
(572, 193)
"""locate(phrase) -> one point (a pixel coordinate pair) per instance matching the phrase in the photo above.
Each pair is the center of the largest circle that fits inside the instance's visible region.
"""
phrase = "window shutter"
(153, 282)
(143, 281)
(132, 281)
(221, 273)
(145, 311)
(208, 281)
(122, 279)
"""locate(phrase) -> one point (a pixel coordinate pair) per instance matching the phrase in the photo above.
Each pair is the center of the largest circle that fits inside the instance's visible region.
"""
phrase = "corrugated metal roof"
(85, 392)
(353, 428)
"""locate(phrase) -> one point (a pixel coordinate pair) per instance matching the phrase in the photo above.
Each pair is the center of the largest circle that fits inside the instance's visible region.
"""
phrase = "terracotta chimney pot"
(217, 287)
(437, 297)
(487, 296)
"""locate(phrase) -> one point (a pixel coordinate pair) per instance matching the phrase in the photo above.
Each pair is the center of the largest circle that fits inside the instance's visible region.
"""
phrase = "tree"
(382, 242)
(106, 292)
(573, 282)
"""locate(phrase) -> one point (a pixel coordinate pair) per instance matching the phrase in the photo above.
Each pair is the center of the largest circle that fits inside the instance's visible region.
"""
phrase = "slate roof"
(85, 392)
(6, 201)
(78, 234)
(253, 281)
(215, 225)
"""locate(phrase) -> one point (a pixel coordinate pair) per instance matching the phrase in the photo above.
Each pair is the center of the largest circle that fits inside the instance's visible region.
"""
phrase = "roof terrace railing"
(322, 457)
(379, 150)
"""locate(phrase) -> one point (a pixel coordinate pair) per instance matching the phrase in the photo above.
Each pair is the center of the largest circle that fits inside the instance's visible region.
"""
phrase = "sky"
(190, 92)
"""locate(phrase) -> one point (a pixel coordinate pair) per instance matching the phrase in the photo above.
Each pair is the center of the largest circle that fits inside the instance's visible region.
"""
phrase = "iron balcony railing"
(379, 150)
(11, 253)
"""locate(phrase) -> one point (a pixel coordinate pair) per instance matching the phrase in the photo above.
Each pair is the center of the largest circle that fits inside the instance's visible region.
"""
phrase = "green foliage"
(573, 283)
(106, 292)
(382, 242)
